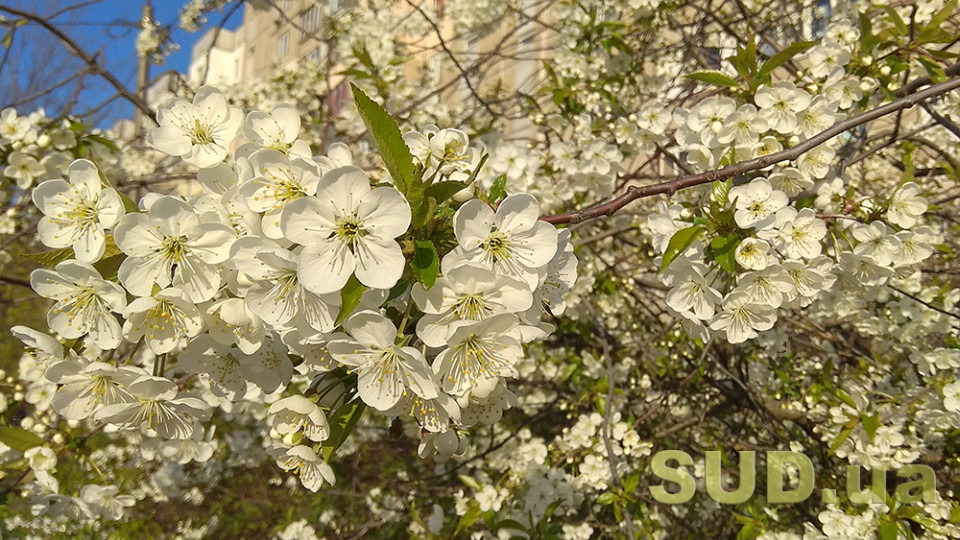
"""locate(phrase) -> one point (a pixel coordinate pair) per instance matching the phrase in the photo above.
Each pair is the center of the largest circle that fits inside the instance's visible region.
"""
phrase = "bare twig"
(947, 124)
(91, 61)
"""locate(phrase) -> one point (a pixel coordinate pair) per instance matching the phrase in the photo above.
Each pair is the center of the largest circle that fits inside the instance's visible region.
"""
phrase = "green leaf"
(870, 425)
(888, 531)
(421, 214)
(99, 139)
(398, 289)
(442, 191)
(350, 298)
(941, 16)
(679, 243)
(868, 40)
(740, 64)
(631, 483)
(784, 56)
(425, 263)
(721, 192)
(715, 78)
(342, 422)
(19, 439)
(393, 150)
(748, 532)
(467, 520)
(724, 249)
(109, 266)
(470, 482)
(607, 498)
(51, 258)
(844, 435)
(928, 523)
(845, 397)
(933, 69)
(498, 189)
(551, 509)
(473, 175)
(510, 524)
(897, 21)
(129, 206)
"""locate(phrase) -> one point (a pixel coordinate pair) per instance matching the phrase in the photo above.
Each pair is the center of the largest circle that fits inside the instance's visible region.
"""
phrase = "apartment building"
(293, 32)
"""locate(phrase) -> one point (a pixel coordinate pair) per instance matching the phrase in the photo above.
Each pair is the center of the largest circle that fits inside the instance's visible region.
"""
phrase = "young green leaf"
(425, 263)
(52, 257)
(442, 191)
(784, 56)
(19, 439)
(888, 531)
(350, 298)
(389, 142)
(342, 422)
(679, 243)
(715, 78)
(870, 425)
(941, 16)
(499, 188)
(897, 21)
(723, 249)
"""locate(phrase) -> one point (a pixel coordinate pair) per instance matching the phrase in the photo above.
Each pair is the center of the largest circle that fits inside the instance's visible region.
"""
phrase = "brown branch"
(14, 281)
(947, 124)
(91, 61)
(637, 192)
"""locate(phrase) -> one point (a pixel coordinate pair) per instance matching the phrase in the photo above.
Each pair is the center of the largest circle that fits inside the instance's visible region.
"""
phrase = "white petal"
(379, 263)
(325, 266)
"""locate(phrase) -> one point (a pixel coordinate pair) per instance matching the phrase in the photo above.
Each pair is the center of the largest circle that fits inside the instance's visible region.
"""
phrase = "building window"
(309, 21)
(285, 5)
(822, 10)
(283, 46)
(317, 55)
(333, 5)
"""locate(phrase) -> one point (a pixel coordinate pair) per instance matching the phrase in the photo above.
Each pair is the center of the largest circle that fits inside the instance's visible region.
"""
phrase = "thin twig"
(91, 61)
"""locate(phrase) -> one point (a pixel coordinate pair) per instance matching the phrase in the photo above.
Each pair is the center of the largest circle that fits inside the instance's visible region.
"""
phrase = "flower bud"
(446, 443)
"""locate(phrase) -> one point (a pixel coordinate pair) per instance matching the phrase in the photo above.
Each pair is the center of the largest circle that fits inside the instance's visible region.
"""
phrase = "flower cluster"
(287, 259)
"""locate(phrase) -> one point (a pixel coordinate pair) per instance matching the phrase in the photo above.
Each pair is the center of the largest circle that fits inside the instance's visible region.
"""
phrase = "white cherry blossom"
(741, 319)
(156, 407)
(77, 212)
(297, 413)
(85, 302)
(348, 228)
(757, 204)
(511, 241)
(479, 353)
(199, 132)
(305, 463)
(87, 387)
(906, 206)
(468, 292)
(165, 320)
(169, 245)
(277, 181)
(386, 371)
(277, 131)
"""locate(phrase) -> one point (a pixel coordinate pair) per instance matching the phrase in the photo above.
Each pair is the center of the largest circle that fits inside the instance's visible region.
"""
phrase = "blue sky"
(105, 26)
